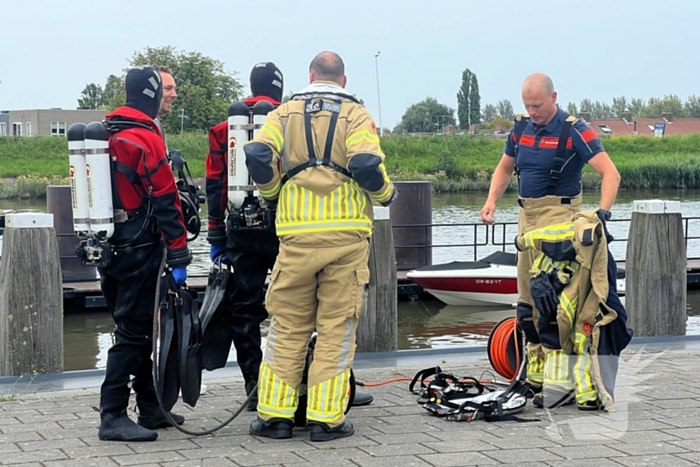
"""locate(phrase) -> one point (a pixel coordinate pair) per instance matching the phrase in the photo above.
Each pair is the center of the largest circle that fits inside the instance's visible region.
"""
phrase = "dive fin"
(168, 379)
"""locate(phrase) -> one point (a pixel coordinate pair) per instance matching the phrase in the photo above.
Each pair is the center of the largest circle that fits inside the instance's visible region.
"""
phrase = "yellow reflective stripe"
(271, 192)
(300, 210)
(555, 232)
(569, 306)
(359, 136)
(275, 134)
(327, 400)
(275, 397)
(556, 369)
(535, 367)
(585, 391)
(384, 195)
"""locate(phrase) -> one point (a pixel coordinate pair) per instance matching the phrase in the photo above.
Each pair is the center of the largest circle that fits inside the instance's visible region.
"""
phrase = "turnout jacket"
(216, 166)
(591, 318)
(141, 169)
(318, 157)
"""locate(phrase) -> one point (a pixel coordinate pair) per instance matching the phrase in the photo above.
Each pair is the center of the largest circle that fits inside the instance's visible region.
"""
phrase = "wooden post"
(31, 297)
(377, 330)
(655, 270)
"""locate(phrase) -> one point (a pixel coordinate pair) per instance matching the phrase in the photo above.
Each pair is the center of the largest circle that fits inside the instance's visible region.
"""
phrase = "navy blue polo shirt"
(538, 145)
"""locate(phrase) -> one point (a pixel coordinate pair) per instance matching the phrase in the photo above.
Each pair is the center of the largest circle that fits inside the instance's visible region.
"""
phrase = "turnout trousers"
(536, 213)
(315, 285)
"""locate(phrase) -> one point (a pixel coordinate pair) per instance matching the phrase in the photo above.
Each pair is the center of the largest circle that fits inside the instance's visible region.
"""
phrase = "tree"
(204, 88)
(474, 102)
(692, 106)
(114, 93)
(586, 105)
(571, 109)
(463, 96)
(287, 97)
(619, 105)
(92, 97)
(637, 107)
(489, 113)
(505, 109)
(670, 103)
(425, 117)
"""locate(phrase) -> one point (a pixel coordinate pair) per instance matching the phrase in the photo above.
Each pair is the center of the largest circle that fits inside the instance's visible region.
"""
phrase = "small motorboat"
(491, 281)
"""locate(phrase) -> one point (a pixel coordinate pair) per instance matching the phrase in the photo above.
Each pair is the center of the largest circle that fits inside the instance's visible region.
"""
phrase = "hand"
(218, 253)
(180, 275)
(544, 295)
(487, 213)
(603, 220)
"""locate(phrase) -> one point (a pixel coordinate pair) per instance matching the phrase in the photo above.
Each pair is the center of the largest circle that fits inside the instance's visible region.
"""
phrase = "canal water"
(426, 323)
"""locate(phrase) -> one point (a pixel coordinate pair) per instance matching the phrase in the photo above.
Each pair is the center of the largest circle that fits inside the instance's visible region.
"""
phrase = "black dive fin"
(217, 336)
(168, 378)
(189, 346)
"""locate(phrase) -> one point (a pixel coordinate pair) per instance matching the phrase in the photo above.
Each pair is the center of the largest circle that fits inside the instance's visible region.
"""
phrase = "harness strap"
(519, 130)
(310, 108)
(559, 159)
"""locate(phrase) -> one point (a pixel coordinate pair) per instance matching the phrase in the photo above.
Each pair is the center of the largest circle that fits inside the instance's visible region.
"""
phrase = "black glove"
(544, 295)
(602, 215)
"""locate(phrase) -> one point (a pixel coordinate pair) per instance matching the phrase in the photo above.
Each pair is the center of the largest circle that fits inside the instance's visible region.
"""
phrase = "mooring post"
(655, 270)
(31, 297)
(377, 329)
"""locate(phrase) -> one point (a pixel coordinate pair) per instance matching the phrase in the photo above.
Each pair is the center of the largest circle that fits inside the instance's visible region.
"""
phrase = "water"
(421, 323)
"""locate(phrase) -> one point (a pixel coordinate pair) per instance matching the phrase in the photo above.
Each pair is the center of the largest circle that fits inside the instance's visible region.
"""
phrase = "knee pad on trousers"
(527, 323)
(548, 331)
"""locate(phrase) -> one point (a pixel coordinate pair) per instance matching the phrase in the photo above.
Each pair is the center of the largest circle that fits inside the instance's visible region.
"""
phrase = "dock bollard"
(377, 329)
(31, 297)
(655, 270)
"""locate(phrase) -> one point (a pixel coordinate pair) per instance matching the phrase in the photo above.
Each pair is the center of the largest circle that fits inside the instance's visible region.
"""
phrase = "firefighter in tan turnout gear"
(318, 158)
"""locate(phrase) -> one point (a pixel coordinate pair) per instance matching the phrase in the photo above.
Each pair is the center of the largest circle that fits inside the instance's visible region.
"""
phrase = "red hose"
(504, 335)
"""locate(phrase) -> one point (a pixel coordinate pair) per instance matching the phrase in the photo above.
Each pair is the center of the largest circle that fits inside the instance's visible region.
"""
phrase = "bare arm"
(499, 184)
(605, 167)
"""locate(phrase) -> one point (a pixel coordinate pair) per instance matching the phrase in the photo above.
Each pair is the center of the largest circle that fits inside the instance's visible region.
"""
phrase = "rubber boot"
(120, 427)
(253, 402)
(151, 416)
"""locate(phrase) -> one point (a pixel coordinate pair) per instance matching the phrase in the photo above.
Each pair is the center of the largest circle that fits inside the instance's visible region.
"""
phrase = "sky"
(596, 49)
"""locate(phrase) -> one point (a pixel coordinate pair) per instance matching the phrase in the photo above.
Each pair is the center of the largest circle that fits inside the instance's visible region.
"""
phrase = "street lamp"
(182, 119)
(379, 100)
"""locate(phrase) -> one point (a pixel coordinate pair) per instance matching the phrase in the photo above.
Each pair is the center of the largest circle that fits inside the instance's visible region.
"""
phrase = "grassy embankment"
(28, 165)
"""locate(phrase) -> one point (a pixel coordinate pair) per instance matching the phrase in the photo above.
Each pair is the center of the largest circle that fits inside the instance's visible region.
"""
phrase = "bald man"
(326, 144)
(549, 188)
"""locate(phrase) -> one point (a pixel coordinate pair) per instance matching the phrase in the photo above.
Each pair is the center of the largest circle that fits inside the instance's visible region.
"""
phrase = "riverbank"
(453, 164)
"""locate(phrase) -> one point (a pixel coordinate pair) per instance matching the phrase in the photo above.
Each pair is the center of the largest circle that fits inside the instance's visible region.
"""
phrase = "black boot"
(151, 416)
(253, 402)
(275, 428)
(121, 428)
(321, 432)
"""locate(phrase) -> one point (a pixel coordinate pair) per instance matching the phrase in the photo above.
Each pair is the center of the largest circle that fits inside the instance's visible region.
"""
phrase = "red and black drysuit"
(251, 252)
(128, 284)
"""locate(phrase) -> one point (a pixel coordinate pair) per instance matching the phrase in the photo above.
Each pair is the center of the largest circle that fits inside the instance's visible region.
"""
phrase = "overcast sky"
(596, 49)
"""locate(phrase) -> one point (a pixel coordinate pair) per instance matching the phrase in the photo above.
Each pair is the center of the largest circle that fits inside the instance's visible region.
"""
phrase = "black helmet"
(267, 80)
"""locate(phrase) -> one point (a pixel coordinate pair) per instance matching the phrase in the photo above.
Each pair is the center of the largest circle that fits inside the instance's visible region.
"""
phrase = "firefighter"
(318, 158)
(548, 150)
(148, 216)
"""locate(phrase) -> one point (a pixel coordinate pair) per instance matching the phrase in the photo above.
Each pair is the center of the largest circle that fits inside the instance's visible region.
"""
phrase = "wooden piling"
(378, 327)
(655, 288)
(31, 297)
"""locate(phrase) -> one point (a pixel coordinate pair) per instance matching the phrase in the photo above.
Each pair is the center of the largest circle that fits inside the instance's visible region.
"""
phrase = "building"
(45, 122)
(4, 122)
(628, 125)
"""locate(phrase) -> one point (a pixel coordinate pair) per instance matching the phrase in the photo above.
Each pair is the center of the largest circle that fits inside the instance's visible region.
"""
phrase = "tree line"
(431, 116)
(205, 90)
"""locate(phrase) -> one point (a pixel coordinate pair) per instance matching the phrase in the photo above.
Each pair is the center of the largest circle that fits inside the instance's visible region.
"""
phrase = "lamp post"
(182, 119)
(379, 100)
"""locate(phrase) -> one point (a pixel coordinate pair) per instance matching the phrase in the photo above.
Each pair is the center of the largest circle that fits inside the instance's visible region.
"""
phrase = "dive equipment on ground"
(505, 348)
(247, 208)
(190, 198)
